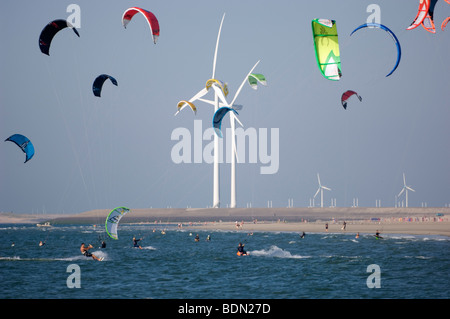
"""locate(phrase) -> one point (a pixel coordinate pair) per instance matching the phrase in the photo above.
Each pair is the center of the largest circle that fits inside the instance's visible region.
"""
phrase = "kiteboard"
(242, 254)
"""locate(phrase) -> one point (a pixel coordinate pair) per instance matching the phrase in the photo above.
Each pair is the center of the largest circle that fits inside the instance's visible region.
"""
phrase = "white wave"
(149, 248)
(275, 251)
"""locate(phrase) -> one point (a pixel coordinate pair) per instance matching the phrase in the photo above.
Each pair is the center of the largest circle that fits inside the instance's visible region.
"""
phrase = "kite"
(346, 95)
(326, 46)
(444, 23)
(49, 31)
(218, 116)
(98, 83)
(24, 143)
(428, 22)
(424, 5)
(183, 102)
(254, 78)
(397, 43)
(150, 17)
(112, 221)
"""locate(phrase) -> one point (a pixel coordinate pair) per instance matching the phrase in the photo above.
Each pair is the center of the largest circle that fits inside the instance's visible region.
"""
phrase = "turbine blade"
(195, 97)
(318, 190)
(242, 84)
(217, 47)
(209, 102)
(318, 178)
(401, 192)
(404, 180)
(219, 93)
(409, 188)
(199, 95)
(328, 189)
(234, 117)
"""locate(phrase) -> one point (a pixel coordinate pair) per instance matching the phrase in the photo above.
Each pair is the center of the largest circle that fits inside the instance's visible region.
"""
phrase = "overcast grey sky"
(116, 150)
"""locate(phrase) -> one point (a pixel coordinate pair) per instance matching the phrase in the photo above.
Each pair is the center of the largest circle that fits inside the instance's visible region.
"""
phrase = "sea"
(172, 265)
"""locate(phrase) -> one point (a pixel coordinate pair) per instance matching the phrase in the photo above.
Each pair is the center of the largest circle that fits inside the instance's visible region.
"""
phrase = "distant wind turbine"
(405, 189)
(320, 189)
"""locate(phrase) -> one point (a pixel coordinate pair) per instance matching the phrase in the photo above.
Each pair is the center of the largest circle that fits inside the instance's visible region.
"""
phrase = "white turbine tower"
(234, 157)
(320, 189)
(405, 189)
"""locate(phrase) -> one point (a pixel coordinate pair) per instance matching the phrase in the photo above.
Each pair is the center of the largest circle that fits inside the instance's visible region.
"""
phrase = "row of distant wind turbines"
(321, 188)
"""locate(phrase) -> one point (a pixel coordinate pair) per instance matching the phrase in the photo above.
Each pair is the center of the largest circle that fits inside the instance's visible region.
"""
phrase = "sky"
(117, 150)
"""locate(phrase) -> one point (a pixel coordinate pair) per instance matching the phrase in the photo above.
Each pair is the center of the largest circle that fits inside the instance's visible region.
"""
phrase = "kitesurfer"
(86, 253)
(103, 245)
(135, 243)
(302, 235)
(241, 251)
(197, 238)
(377, 235)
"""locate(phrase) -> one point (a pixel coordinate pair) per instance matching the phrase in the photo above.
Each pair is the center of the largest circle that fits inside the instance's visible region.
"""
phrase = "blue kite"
(218, 116)
(24, 143)
(383, 27)
(98, 83)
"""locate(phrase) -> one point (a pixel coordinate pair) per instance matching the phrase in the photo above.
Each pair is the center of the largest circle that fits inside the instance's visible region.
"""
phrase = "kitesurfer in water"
(85, 252)
(377, 235)
(241, 250)
(197, 238)
(135, 243)
(103, 245)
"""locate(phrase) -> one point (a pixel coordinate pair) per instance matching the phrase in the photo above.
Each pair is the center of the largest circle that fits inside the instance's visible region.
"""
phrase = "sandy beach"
(414, 220)
(363, 227)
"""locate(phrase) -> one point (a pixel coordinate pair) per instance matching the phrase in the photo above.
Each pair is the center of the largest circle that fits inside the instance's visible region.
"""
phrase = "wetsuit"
(241, 250)
(86, 252)
(135, 243)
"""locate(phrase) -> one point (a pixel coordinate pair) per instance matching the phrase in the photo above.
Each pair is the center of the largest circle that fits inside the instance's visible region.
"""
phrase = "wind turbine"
(233, 120)
(220, 93)
(405, 189)
(320, 189)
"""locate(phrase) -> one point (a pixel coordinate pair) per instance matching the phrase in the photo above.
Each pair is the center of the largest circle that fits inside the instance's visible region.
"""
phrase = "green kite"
(326, 46)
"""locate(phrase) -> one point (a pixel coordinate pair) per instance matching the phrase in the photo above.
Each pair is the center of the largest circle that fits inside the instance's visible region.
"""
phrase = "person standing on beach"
(344, 225)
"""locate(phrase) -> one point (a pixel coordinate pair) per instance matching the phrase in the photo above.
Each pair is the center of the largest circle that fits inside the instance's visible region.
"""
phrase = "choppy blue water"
(280, 265)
